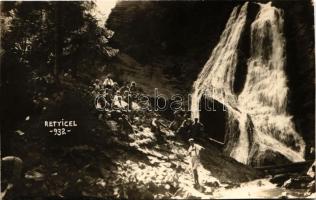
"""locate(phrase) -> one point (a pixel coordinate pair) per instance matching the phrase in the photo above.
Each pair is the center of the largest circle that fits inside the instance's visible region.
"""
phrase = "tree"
(42, 39)
(54, 36)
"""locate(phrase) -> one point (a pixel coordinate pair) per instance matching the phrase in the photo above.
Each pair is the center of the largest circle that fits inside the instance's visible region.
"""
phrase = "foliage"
(42, 44)
(50, 36)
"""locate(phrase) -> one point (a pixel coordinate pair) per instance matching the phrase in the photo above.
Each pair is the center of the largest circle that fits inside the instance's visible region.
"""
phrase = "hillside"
(98, 161)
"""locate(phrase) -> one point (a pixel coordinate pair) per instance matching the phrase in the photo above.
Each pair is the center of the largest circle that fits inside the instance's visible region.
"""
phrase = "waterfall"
(264, 96)
(217, 77)
(240, 153)
(263, 99)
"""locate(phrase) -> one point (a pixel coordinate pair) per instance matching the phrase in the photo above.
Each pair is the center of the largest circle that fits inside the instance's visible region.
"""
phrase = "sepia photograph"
(157, 99)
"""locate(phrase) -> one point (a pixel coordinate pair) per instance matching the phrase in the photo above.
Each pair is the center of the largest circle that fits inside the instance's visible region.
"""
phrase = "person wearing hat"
(132, 87)
(194, 154)
(126, 124)
(185, 129)
(108, 82)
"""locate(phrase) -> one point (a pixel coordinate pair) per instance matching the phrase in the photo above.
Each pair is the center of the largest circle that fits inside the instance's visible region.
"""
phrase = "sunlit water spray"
(217, 75)
(263, 100)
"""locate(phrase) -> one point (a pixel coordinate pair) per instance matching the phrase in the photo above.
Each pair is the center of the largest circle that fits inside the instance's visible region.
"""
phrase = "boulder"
(213, 184)
(267, 157)
(279, 179)
(300, 182)
(311, 187)
(224, 168)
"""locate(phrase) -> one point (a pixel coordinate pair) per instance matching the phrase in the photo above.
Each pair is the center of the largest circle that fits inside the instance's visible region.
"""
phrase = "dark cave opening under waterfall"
(244, 48)
(213, 115)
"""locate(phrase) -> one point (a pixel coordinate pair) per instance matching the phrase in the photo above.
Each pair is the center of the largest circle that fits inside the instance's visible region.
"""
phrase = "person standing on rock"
(194, 154)
(108, 82)
(176, 123)
(197, 128)
(132, 88)
(156, 125)
(126, 125)
(185, 129)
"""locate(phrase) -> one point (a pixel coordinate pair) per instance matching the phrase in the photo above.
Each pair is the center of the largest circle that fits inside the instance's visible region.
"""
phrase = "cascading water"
(264, 96)
(263, 99)
(217, 77)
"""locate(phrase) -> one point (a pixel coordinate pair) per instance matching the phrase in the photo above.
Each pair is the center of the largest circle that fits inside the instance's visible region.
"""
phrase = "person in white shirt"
(194, 154)
(108, 82)
(118, 102)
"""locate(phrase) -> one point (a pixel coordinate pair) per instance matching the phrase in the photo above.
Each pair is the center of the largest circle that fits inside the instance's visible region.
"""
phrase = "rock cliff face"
(180, 36)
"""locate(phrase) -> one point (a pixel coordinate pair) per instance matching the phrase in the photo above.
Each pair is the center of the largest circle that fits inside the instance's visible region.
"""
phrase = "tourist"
(115, 88)
(124, 88)
(156, 128)
(132, 87)
(125, 125)
(108, 96)
(176, 123)
(197, 128)
(118, 102)
(108, 82)
(97, 85)
(133, 90)
(194, 154)
(185, 129)
(102, 104)
(128, 98)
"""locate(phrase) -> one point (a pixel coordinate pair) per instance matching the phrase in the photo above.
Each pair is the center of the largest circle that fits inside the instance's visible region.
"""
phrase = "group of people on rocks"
(120, 102)
(111, 96)
(117, 103)
(121, 105)
(185, 127)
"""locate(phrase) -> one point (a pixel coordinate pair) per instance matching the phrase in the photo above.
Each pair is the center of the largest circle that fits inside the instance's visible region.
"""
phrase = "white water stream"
(265, 93)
